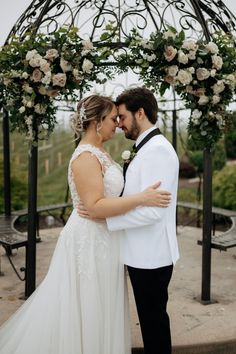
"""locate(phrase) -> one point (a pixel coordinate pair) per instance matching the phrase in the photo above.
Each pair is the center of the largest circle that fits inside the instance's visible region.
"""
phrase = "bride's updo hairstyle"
(92, 108)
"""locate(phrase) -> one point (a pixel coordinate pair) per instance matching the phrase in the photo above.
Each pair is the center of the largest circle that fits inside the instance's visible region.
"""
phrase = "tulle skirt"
(81, 306)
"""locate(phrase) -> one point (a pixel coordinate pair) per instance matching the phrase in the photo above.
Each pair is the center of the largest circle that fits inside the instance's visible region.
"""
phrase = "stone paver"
(193, 324)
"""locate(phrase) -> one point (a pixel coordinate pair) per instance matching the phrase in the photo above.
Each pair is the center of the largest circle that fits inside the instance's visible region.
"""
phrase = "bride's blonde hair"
(91, 108)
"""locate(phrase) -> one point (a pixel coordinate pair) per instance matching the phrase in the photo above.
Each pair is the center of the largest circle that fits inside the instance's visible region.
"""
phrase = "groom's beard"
(133, 132)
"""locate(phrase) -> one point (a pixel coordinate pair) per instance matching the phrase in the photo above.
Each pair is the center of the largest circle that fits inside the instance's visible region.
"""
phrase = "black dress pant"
(150, 287)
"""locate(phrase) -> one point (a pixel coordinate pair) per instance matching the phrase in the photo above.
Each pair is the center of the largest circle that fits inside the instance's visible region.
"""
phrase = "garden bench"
(226, 239)
(11, 239)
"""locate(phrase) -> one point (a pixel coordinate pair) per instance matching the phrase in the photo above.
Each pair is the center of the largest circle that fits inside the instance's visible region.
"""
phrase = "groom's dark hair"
(139, 97)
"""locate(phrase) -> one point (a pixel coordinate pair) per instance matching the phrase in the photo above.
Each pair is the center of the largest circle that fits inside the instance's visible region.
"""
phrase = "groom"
(149, 247)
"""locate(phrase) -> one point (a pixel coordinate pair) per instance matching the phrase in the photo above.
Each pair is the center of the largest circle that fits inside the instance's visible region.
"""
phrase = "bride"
(81, 305)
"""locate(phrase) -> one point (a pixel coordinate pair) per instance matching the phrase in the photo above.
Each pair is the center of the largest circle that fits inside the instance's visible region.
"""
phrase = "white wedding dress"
(81, 306)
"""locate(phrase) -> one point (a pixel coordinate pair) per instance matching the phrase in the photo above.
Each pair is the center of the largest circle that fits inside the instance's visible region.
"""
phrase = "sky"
(12, 9)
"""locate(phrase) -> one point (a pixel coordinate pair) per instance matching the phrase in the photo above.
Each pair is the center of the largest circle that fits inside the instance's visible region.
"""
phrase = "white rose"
(47, 78)
(202, 74)
(192, 54)
(212, 48)
(29, 104)
(230, 80)
(218, 87)
(44, 66)
(77, 75)
(126, 155)
(215, 99)
(220, 120)
(87, 66)
(182, 58)
(27, 88)
(35, 61)
(203, 100)
(22, 109)
(25, 75)
(190, 44)
(217, 62)
(65, 65)
(84, 52)
(151, 57)
(191, 69)
(146, 44)
(169, 34)
(196, 114)
(28, 120)
(172, 70)
(87, 44)
(42, 90)
(30, 54)
(230, 77)
(59, 80)
(184, 77)
(213, 72)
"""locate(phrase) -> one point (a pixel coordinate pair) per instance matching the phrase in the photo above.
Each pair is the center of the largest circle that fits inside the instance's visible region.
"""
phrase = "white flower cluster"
(43, 75)
(199, 72)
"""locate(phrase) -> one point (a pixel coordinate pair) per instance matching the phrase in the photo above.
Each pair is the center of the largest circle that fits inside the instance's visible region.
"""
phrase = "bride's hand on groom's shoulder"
(155, 197)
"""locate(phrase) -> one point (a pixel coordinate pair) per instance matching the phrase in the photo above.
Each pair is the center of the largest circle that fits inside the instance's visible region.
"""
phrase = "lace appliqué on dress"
(92, 241)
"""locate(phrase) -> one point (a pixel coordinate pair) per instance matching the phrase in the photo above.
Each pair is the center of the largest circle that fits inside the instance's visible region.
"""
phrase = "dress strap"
(102, 157)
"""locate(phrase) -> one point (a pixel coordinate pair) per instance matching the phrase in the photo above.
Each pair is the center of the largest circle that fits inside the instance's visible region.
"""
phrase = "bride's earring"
(98, 127)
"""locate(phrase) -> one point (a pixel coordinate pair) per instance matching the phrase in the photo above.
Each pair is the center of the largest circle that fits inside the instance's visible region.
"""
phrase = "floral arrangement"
(37, 69)
(203, 74)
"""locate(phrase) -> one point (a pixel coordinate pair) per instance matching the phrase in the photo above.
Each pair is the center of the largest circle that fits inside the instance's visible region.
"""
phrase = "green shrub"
(230, 140)
(224, 188)
(186, 195)
(218, 158)
(18, 190)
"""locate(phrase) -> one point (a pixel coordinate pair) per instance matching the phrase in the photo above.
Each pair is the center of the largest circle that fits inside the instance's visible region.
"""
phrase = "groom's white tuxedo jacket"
(149, 239)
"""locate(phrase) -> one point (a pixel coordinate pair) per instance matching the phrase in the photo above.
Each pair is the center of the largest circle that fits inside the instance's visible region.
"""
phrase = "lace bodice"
(112, 173)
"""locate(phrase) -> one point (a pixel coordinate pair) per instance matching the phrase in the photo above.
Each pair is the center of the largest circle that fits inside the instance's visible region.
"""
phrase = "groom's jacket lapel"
(138, 147)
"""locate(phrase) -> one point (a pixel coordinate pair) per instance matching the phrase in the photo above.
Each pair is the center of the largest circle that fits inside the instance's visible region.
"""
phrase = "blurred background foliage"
(55, 153)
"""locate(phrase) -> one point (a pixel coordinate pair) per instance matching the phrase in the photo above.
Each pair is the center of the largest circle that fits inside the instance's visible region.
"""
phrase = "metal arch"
(194, 16)
(198, 17)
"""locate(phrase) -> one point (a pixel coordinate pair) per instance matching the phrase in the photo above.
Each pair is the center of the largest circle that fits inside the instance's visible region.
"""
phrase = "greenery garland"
(39, 68)
(203, 74)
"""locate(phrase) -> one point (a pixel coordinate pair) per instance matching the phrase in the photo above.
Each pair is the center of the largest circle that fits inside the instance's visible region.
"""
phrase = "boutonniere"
(128, 156)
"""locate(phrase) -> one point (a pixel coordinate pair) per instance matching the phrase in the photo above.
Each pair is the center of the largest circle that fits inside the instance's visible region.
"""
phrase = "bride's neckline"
(93, 146)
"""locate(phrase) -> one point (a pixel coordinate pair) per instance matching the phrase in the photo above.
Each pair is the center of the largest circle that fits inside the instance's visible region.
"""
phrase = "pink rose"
(59, 80)
(51, 54)
(170, 53)
(36, 75)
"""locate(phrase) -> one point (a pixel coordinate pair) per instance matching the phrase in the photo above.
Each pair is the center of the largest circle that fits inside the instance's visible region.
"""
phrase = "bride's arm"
(87, 172)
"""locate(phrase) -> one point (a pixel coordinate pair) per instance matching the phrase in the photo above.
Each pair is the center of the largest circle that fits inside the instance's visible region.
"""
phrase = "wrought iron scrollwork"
(197, 18)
